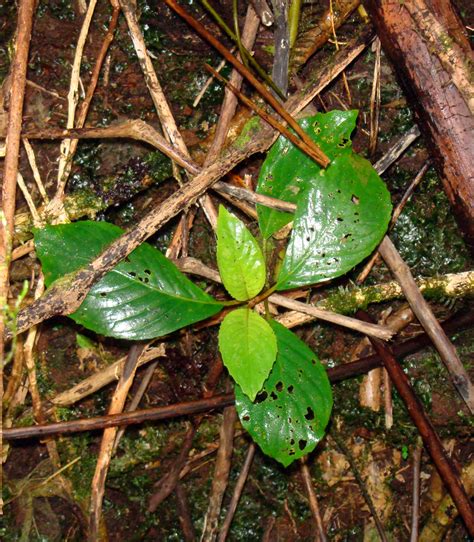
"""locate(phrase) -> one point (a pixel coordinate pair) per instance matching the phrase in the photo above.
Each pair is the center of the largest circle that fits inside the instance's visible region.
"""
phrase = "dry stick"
(108, 439)
(67, 295)
(368, 499)
(71, 146)
(415, 511)
(239, 486)
(221, 473)
(144, 383)
(34, 168)
(335, 374)
(427, 319)
(430, 438)
(314, 151)
(10, 172)
(72, 99)
(274, 123)
(313, 501)
(104, 377)
(396, 213)
(375, 101)
(184, 513)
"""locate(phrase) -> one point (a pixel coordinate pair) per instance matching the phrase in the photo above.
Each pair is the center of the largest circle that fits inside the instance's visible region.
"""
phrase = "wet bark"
(429, 49)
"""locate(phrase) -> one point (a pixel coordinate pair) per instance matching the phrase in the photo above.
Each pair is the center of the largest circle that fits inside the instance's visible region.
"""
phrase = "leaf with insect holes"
(289, 416)
(240, 259)
(287, 172)
(338, 222)
(143, 297)
(248, 347)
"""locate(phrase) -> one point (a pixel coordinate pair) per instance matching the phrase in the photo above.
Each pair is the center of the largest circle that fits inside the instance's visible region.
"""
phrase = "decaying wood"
(429, 49)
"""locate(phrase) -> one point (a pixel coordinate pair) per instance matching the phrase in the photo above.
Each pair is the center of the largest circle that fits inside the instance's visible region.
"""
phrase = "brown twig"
(430, 438)
(107, 444)
(184, 514)
(273, 122)
(314, 151)
(239, 486)
(313, 500)
(18, 70)
(423, 312)
(221, 473)
(375, 100)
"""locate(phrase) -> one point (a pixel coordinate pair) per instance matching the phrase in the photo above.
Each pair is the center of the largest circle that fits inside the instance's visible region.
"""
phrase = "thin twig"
(313, 501)
(375, 100)
(184, 514)
(108, 439)
(73, 99)
(239, 487)
(34, 168)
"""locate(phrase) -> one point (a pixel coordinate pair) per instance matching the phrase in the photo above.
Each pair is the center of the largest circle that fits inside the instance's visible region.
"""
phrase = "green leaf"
(240, 259)
(248, 347)
(289, 416)
(145, 296)
(337, 223)
(287, 172)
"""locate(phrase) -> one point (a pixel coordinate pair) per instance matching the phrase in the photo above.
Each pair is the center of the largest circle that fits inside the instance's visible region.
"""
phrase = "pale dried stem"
(65, 158)
(108, 438)
(29, 200)
(34, 168)
(104, 377)
(313, 501)
(375, 100)
(144, 383)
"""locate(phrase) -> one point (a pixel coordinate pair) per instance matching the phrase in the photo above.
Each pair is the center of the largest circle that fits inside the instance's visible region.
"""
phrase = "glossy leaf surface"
(145, 296)
(248, 347)
(240, 259)
(338, 222)
(289, 416)
(287, 172)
